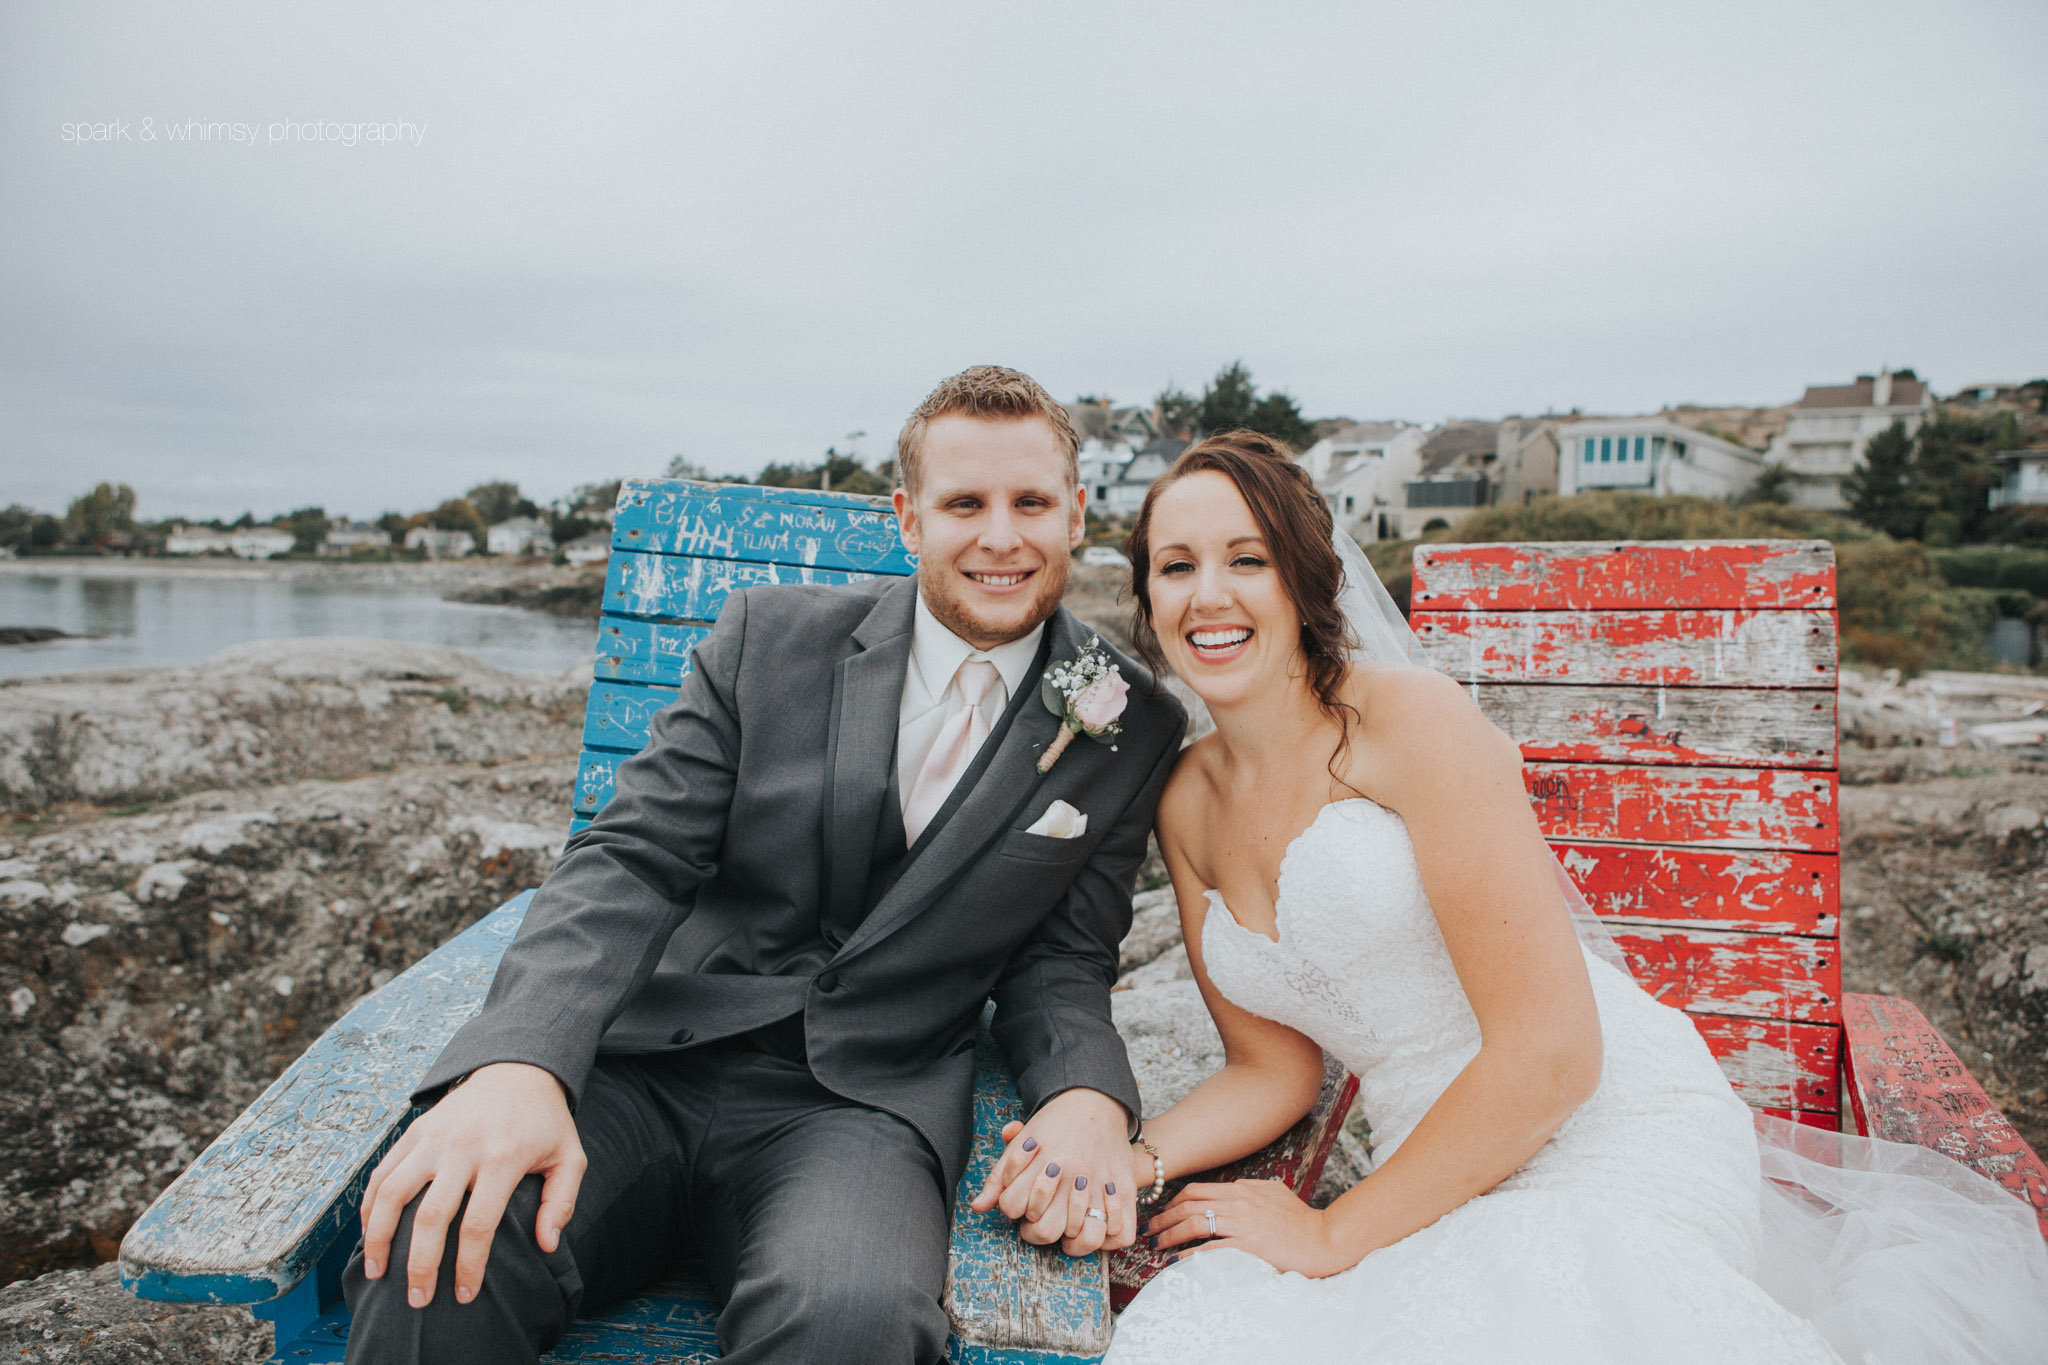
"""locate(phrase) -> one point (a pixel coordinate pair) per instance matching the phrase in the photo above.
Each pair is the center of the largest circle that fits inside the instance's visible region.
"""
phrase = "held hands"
(506, 1122)
(1263, 1217)
(1072, 1157)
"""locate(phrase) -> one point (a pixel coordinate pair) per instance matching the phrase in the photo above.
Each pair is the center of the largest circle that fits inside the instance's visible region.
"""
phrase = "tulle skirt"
(1867, 1252)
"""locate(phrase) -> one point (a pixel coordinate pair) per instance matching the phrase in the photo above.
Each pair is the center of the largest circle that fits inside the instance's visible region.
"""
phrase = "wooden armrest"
(253, 1214)
(1296, 1159)
(1905, 1084)
(1009, 1300)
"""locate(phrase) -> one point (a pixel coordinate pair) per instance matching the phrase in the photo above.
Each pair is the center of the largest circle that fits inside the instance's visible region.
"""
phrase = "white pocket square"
(1060, 821)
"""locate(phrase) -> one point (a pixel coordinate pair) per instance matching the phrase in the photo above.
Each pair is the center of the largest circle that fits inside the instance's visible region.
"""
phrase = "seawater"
(157, 620)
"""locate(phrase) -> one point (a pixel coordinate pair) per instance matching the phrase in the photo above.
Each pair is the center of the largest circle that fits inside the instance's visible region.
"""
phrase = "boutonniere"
(1087, 693)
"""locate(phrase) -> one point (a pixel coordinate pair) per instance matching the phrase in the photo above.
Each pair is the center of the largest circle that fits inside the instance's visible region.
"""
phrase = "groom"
(738, 1021)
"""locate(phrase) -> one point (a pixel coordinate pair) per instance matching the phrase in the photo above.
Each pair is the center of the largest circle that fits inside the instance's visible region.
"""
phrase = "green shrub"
(1995, 566)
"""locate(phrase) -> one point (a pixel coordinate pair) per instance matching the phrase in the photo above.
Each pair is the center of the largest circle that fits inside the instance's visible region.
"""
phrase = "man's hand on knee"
(505, 1122)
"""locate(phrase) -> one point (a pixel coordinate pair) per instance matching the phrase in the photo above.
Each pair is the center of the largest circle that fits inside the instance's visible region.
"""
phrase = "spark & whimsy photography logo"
(245, 133)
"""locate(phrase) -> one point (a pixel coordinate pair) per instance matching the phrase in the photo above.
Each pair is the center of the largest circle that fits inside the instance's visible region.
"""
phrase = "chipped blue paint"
(629, 650)
(693, 590)
(760, 526)
(619, 714)
(252, 1215)
(1002, 1293)
(597, 772)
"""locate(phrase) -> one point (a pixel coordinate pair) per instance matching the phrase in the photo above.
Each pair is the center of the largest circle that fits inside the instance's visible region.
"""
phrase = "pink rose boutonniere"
(1087, 693)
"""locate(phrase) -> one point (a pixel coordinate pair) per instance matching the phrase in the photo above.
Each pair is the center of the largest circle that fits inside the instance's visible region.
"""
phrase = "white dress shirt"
(930, 692)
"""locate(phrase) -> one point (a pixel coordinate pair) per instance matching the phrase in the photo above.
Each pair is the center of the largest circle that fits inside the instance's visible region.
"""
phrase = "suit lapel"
(867, 695)
(986, 810)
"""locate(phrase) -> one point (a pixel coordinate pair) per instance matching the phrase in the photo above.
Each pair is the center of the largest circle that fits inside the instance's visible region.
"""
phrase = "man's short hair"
(993, 394)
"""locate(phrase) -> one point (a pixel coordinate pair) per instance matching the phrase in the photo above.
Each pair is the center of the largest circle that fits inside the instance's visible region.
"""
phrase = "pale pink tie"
(959, 739)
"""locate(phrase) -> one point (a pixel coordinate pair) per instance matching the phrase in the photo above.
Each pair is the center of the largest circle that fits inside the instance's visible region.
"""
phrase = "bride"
(1560, 1170)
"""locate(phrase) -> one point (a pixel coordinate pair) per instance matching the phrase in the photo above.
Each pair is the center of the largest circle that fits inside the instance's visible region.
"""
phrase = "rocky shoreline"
(202, 868)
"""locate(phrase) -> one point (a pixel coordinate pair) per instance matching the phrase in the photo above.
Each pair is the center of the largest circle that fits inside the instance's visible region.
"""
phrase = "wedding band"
(1095, 1213)
(1210, 1214)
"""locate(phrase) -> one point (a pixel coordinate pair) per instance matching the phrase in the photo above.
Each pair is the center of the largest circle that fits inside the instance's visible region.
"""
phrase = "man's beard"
(954, 616)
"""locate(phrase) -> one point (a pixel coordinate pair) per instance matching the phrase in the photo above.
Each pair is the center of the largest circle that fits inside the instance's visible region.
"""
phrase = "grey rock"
(1172, 1040)
(84, 1317)
(273, 711)
(1155, 927)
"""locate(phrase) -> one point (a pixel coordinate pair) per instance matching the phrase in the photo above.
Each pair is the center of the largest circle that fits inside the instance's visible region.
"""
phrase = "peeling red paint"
(1906, 1085)
(1766, 891)
(1732, 807)
(1722, 648)
(1777, 1061)
(1757, 976)
(1621, 575)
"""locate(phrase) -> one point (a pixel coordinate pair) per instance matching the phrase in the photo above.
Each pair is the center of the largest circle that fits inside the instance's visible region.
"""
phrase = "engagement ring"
(1095, 1213)
(1210, 1214)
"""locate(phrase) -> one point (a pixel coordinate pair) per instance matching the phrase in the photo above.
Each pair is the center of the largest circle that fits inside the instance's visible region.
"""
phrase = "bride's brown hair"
(1296, 526)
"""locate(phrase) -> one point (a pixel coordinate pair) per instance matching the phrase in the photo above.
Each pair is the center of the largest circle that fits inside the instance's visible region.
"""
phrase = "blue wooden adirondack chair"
(268, 1213)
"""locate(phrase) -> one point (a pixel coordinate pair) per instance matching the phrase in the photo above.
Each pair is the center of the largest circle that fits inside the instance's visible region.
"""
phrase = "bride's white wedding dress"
(1643, 1230)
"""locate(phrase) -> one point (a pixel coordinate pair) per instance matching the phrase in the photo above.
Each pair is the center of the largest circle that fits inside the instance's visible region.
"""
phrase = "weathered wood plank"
(597, 775)
(1738, 727)
(1611, 575)
(645, 651)
(1728, 648)
(1002, 1293)
(683, 588)
(1296, 1159)
(1905, 1084)
(1730, 807)
(248, 1219)
(1777, 1062)
(1760, 891)
(619, 714)
(1754, 976)
(760, 526)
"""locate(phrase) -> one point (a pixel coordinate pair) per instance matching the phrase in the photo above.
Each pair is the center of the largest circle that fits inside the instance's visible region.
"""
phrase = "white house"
(1102, 464)
(2026, 478)
(1827, 430)
(1362, 471)
(591, 549)
(440, 544)
(1651, 455)
(346, 537)
(195, 540)
(261, 542)
(520, 536)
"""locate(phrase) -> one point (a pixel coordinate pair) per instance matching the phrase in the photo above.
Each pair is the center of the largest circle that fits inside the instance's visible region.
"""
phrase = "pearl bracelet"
(1148, 1196)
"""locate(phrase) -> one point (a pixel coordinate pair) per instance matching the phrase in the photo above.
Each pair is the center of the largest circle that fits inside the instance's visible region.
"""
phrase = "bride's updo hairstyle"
(1296, 525)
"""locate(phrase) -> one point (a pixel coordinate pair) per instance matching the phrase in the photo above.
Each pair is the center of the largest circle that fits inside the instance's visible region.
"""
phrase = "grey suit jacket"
(720, 888)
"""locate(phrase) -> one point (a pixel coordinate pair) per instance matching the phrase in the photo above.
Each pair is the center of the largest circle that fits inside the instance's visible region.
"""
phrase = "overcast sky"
(614, 233)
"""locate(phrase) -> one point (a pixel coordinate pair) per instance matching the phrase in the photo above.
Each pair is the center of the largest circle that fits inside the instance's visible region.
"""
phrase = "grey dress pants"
(821, 1222)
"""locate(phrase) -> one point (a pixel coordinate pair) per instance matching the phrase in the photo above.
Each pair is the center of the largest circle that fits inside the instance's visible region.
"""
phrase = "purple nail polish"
(1031, 1144)
(1052, 1169)
(1080, 1182)
(1171, 1259)
(1109, 1187)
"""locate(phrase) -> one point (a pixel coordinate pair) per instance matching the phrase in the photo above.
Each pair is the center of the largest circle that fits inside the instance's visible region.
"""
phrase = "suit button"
(828, 981)
(681, 1035)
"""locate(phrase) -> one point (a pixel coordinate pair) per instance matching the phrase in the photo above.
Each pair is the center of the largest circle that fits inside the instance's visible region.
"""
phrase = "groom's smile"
(992, 519)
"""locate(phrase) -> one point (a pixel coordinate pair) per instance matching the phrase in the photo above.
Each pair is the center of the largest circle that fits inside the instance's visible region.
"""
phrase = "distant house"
(261, 542)
(440, 544)
(1651, 455)
(1527, 454)
(594, 548)
(1362, 470)
(1096, 420)
(1101, 464)
(196, 540)
(520, 536)
(1455, 478)
(1827, 430)
(2026, 478)
(346, 537)
(1122, 495)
